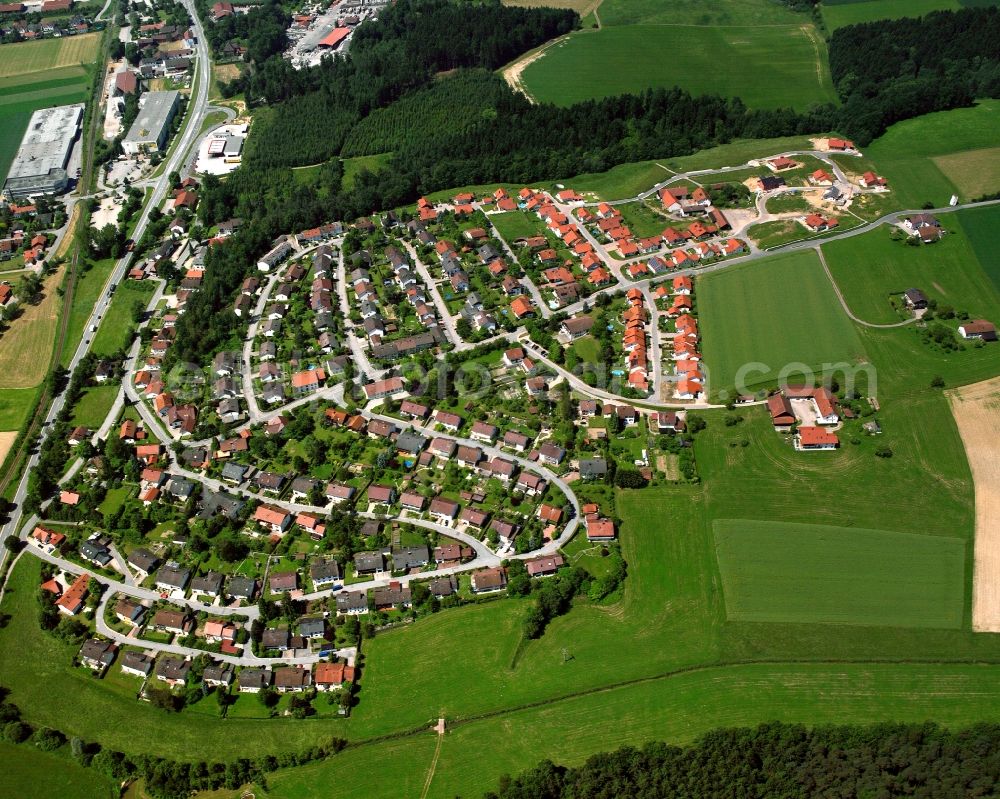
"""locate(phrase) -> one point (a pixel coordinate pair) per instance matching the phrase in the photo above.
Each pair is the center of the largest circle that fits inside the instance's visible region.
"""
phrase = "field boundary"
(976, 409)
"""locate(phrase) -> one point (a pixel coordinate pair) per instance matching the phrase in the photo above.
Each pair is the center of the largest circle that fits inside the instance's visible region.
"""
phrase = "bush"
(48, 740)
(883, 451)
(16, 732)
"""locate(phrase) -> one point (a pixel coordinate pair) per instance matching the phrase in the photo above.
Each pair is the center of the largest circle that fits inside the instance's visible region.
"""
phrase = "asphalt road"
(189, 136)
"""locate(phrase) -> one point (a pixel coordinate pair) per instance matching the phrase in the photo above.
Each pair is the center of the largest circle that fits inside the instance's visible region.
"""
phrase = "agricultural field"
(838, 13)
(774, 571)
(25, 58)
(35, 75)
(770, 314)
(961, 270)
(766, 67)
(929, 158)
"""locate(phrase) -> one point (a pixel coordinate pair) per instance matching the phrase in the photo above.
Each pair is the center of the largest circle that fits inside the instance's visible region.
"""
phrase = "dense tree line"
(891, 70)
(789, 761)
(261, 29)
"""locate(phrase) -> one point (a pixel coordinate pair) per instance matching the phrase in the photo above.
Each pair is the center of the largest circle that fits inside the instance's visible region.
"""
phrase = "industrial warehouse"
(40, 164)
(151, 129)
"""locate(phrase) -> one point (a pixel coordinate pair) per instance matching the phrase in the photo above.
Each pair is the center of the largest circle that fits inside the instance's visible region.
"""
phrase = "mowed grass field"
(929, 158)
(838, 13)
(767, 67)
(29, 772)
(775, 571)
(769, 314)
(962, 270)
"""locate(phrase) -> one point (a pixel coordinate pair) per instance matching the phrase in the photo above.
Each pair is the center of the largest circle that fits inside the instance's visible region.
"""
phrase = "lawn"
(587, 349)
(642, 220)
(117, 326)
(838, 13)
(773, 571)
(352, 166)
(872, 267)
(514, 225)
(94, 405)
(30, 772)
(765, 315)
(908, 154)
(15, 406)
(90, 283)
(767, 67)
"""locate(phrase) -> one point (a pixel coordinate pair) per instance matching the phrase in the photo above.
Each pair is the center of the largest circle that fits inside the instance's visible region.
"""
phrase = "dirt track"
(977, 413)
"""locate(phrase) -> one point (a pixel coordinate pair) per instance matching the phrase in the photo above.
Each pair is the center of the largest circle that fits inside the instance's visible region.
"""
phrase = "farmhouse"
(978, 329)
(814, 438)
(782, 415)
(914, 299)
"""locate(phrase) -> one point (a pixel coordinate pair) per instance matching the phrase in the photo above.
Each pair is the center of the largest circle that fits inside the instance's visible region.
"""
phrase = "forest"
(789, 761)
(418, 84)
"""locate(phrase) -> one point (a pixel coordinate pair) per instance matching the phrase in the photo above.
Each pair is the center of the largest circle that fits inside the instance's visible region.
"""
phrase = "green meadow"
(776, 571)
(769, 314)
(911, 155)
(766, 67)
(838, 13)
(962, 270)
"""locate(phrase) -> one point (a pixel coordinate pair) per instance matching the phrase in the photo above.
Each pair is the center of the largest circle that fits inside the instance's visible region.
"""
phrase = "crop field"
(908, 152)
(25, 58)
(36, 75)
(838, 13)
(975, 173)
(766, 67)
(774, 571)
(980, 225)
(770, 314)
(745, 13)
(871, 267)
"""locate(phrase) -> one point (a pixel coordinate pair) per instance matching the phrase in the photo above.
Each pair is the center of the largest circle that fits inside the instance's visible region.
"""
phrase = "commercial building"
(40, 164)
(151, 129)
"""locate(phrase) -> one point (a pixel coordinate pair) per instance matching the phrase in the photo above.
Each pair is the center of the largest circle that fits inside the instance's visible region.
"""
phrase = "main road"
(196, 113)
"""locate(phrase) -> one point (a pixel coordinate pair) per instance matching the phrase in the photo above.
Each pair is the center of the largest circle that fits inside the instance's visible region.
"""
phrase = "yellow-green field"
(24, 58)
(975, 173)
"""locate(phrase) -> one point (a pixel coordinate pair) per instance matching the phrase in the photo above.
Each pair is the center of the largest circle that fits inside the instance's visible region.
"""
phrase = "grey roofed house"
(268, 351)
(214, 503)
(304, 485)
(352, 602)
(369, 562)
(234, 472)
(95, 553)
(269, 481)
(181, 488)
(312, 628)
(143, 560)
(275, 639)
(406, 558)
(137, 662)
(172, 576)
(915, 298)
(283, 581)
(242, 588)
(411, 443)
(97, 654)
(593, 468)
(487, 253)
(391, 595)
(172, 669)
(194, 455)
(443, 586)
(229, 409)
(324, 571)
(273, 393)
(210, 584)
(323, 320)
(218, 674)
(253, 679)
